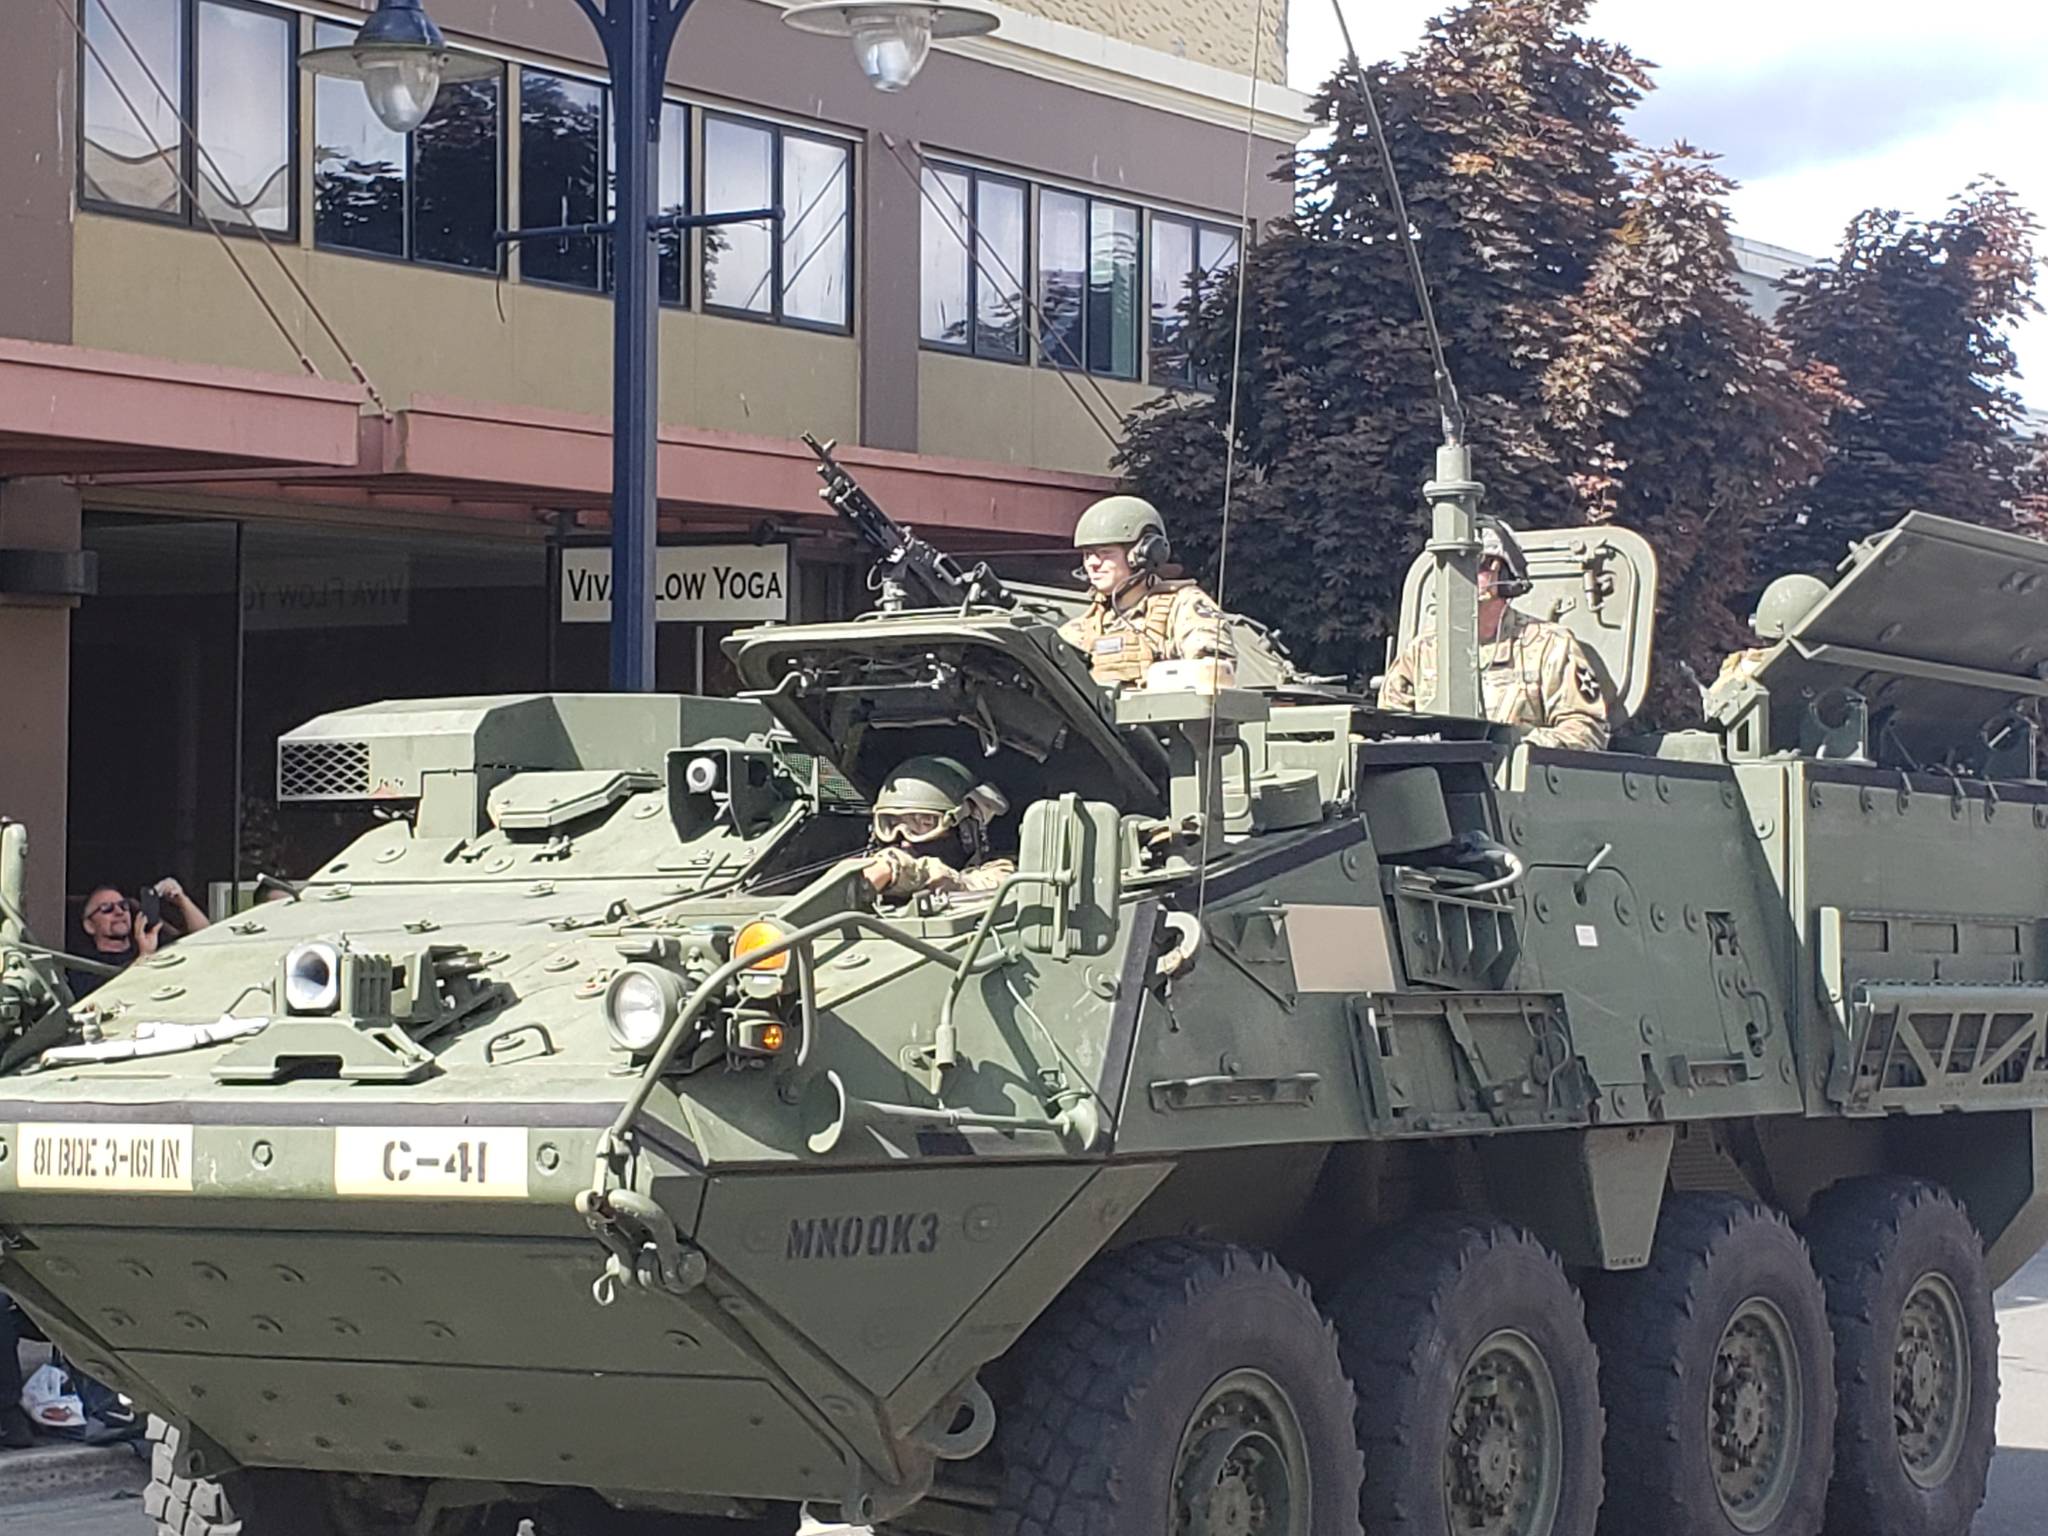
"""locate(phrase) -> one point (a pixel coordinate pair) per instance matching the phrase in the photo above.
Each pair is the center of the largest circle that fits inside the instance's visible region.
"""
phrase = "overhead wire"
(1212, 792)
(223, 182)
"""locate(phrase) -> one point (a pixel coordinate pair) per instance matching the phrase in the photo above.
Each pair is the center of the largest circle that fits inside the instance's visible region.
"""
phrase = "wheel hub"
(1243, 1464)
(1753, 1414)
(1503, 1461)
(1931, 1380)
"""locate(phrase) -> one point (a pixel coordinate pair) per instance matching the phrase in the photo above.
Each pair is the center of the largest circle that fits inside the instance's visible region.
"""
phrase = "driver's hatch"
(1001, 692)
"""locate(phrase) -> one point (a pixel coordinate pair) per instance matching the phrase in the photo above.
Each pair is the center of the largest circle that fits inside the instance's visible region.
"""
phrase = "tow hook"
(642, 1246)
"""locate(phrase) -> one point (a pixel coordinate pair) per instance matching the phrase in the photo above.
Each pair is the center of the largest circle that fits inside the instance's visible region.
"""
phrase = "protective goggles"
(913, 826)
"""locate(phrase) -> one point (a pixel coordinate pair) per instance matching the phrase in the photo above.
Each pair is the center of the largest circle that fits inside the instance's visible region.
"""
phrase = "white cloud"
(1880, 103)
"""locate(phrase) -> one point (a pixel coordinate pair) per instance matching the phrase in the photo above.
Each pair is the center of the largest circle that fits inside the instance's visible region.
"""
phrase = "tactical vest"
(1121, 645)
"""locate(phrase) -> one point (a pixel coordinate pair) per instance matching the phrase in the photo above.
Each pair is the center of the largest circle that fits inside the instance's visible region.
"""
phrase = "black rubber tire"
(238, 1504)
(1659, 1332)
(1873, 1240)
(1409, 1321)
(1103, 1387)
(783, 1522)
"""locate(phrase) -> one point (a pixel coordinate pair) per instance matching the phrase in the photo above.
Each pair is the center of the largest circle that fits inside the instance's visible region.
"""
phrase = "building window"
(565, 133)
(1088, 264)
(1188, 257)
(806, 277)
(431, 196)
(227, 68)
(974, 306)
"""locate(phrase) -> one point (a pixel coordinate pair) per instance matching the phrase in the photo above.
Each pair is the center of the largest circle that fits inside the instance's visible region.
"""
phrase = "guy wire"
(220, 177)
(1212, 792)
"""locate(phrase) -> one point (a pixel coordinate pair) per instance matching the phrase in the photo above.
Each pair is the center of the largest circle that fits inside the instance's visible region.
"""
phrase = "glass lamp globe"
(402, 60)
(891, 39)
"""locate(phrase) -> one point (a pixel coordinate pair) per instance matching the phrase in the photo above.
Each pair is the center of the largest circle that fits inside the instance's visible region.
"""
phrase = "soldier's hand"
(880, 873)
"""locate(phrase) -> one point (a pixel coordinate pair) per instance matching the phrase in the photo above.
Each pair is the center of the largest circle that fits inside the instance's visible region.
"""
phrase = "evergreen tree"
(1916, 317)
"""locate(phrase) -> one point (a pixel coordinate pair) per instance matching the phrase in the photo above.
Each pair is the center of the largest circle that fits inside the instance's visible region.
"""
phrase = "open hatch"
(1000, 692)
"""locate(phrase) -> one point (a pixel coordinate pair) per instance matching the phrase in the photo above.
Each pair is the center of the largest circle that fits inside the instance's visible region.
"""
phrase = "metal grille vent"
(323, 770)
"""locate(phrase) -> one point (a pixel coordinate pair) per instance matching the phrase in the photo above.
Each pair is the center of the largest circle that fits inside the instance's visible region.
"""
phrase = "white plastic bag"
(48, 1399)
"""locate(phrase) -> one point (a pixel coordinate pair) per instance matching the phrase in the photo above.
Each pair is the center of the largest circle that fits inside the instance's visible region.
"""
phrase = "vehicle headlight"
(312, 979)
(768, 977)
(640, 1004)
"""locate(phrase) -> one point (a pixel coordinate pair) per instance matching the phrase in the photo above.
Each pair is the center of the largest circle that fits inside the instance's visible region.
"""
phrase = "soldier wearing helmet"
(1783, 604)
(1532, 673)
(1136, 615)
(931, 832)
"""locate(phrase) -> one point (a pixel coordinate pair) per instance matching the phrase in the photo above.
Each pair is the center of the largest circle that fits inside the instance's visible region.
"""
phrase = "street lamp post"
(402, 60)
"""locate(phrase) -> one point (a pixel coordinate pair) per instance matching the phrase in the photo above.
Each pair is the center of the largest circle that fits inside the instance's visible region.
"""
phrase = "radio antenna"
(1453, 495)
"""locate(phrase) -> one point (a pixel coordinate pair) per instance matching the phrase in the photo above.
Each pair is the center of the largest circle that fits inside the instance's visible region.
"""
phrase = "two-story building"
(327, 438)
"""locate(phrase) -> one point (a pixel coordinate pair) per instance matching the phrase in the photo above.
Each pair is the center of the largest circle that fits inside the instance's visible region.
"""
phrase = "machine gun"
(907, 569)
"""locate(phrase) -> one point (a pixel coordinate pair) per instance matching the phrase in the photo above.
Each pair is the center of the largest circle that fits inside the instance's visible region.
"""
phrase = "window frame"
(406, 258)
(1088, 201)
(607, 171)
(187, 214)
(971, 347)
(774, 315)
(1196, 226)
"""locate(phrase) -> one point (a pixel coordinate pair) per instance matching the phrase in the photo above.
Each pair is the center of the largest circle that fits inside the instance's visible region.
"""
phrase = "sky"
(1819, 108)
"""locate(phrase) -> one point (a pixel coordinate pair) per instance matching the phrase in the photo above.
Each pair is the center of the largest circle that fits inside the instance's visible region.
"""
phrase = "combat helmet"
(926, 797)
(1497, 542)
(1131, 522)
(1784, 603)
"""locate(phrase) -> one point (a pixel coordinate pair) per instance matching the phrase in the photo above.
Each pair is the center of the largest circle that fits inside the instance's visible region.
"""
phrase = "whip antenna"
(1453, 495)
(1447, 401)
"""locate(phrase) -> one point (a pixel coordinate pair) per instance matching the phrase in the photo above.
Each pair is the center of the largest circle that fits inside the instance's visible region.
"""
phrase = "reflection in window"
(805, 278)
(561, 155)
(1113, 290)
(360, 167)
(1062, 278)
(239, 93)
(244, 122)
(432, 196)
(672, 195)
(815, 244)
(946, 318)
(1001, 239)
(1187, 258)
(127, 163)
(739, 173)
(978, 309)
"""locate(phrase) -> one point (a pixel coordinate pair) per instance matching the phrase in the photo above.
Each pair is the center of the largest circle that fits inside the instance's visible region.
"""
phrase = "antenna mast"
(1453, 495)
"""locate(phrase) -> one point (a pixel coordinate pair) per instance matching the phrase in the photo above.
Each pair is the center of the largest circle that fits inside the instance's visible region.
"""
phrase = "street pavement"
(2019, 1477)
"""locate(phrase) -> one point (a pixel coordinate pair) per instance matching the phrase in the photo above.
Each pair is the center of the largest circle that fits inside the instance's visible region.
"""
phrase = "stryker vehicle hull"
(1287, 1145)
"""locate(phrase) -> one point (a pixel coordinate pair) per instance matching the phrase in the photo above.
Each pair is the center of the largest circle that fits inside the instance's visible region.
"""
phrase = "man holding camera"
(121, 931)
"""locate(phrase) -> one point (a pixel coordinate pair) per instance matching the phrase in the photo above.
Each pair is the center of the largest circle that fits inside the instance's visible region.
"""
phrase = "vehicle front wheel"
(1179, 1387)
(1916, 1357)
(1717, 1369)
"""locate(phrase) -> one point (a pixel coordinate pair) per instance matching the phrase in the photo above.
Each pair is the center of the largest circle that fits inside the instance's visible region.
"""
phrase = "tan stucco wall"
(35, 697)
(173, 293)
(973, 408)
(1217, 32)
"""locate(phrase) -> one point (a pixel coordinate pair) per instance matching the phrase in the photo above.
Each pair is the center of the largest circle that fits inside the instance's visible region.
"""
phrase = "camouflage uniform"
(1161, 621)
(1532, 675)
(913, 873)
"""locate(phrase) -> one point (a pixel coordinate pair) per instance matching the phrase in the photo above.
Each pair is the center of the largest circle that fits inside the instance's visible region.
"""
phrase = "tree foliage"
(1915, 315)
(1592, 317)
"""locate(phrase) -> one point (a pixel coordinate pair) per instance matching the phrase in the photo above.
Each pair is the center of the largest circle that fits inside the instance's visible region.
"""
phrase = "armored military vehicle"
(1340, 1121)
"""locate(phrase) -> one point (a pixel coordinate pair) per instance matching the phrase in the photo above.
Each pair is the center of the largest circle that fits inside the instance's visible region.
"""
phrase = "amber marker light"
(758, 935)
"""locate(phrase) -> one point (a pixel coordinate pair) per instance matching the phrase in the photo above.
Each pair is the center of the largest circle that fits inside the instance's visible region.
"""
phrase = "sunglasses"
(106, 907)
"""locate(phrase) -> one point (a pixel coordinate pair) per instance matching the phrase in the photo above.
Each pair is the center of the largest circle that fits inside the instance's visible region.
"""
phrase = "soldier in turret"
(1533, 673)
(931, 825)
(1137, 615)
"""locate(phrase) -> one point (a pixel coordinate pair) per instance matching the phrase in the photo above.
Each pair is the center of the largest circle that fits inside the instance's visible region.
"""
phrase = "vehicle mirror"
(1077, 838)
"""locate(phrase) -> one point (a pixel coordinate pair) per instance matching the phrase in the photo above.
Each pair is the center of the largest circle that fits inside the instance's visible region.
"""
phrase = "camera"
(150, 905)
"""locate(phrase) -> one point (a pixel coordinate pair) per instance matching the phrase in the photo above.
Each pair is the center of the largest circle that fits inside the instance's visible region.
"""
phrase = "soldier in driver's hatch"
(1532, 673)
(931, 831)
(1136, 614)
